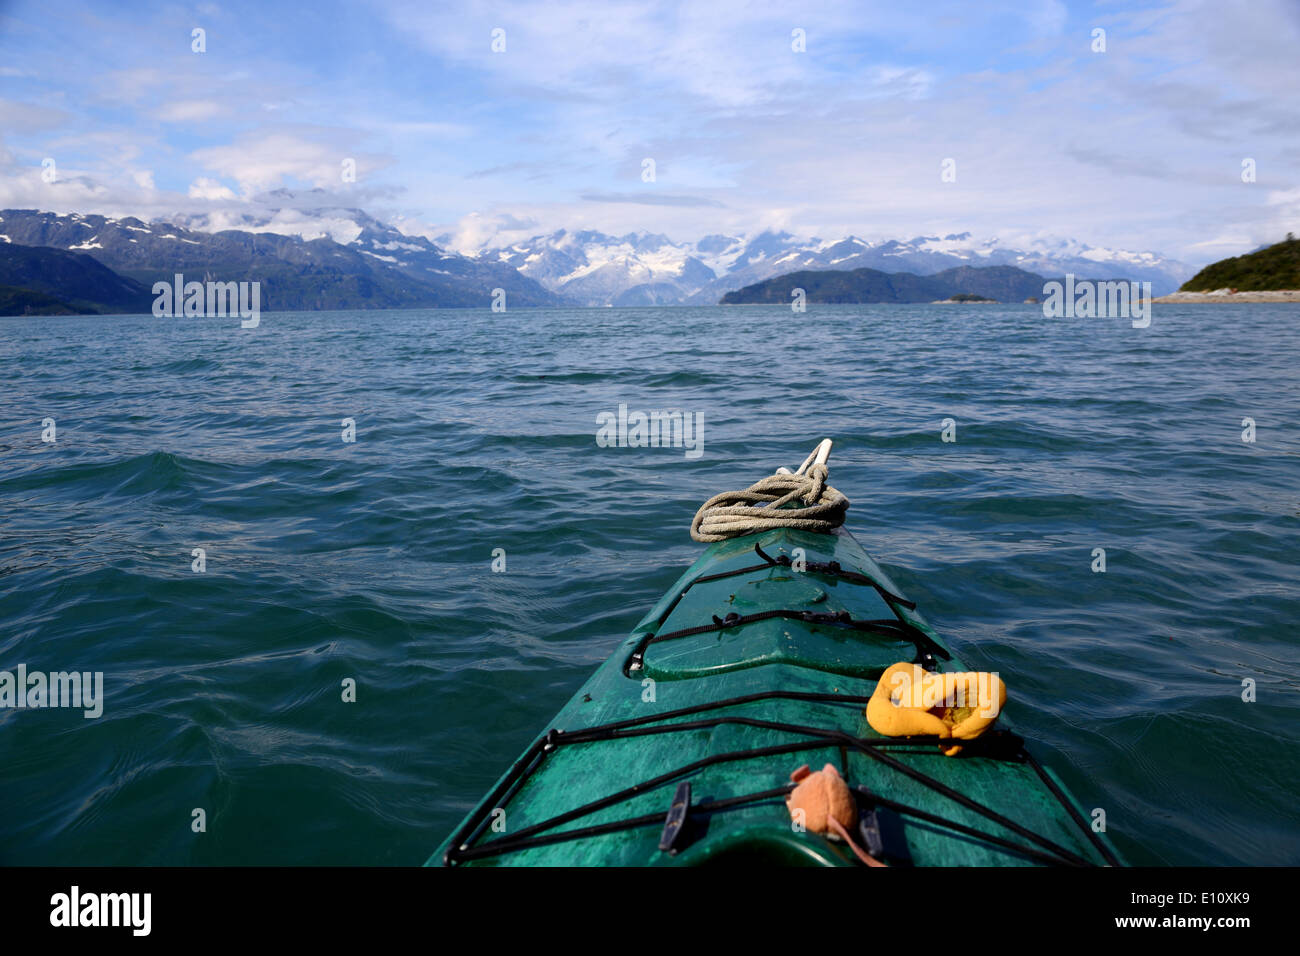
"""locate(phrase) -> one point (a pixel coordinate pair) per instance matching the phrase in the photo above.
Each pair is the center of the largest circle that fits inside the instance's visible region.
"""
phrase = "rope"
(768, 504)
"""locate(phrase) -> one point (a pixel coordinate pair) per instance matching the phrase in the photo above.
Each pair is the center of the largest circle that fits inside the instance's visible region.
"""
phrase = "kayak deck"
(732, 706)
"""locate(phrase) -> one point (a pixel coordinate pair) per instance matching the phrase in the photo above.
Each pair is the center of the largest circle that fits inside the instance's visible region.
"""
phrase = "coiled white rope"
(769, 503)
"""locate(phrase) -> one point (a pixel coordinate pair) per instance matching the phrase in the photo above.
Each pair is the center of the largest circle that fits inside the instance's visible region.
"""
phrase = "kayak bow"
(762, 657)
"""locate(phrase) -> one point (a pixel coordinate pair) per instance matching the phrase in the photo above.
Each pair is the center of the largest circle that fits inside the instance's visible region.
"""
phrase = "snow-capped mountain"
(314, 252)
(592, 268)
(644, 268)
(332, 258)
(312, 216)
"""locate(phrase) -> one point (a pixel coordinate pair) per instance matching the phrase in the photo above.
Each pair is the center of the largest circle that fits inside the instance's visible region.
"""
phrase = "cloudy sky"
(1138, 147)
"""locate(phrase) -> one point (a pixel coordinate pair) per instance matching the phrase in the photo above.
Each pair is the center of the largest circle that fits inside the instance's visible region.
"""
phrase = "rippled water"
(475, 431)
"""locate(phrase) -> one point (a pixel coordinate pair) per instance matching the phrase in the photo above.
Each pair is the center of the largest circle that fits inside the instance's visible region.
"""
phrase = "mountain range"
(310, 253)
(593, 268)
(380, 268)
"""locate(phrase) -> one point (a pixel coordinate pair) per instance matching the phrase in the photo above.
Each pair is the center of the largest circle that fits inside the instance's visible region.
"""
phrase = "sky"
(1139, 146)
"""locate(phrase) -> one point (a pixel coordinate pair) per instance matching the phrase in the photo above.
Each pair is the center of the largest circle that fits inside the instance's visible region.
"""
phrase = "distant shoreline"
(1227, 296)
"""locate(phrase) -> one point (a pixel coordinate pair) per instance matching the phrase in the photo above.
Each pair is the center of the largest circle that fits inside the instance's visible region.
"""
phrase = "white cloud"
(260, 162)
(204, 188)
(282, 221)
(472, 232)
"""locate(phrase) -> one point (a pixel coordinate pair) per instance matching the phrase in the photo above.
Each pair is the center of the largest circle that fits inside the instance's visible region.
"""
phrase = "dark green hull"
(806, 681)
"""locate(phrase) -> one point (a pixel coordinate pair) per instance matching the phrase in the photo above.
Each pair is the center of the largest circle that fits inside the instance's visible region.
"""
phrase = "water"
(476, 431)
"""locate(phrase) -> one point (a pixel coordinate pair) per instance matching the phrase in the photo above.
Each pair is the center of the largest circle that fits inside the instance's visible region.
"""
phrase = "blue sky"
(1140, 147)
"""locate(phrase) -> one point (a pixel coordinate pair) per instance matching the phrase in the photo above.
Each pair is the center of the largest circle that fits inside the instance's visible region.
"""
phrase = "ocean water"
(475, 431)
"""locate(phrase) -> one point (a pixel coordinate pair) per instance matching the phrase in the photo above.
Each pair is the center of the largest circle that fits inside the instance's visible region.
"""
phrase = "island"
(961, 284)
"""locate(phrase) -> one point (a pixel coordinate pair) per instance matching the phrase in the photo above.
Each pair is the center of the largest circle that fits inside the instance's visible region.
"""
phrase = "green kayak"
(679, 749)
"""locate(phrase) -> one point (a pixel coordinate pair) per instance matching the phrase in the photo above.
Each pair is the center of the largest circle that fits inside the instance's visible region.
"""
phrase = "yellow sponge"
(910, 701)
